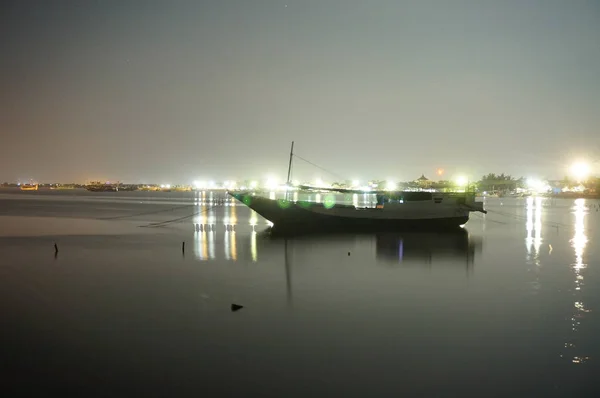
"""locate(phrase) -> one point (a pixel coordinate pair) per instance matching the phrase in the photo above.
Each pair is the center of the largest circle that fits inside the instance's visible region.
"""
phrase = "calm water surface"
(508, 307)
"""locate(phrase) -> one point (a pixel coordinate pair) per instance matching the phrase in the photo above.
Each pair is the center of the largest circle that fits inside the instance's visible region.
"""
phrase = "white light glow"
(580, 170)
(461, 181)
(391, 186)
(537, 185)
(271, 183)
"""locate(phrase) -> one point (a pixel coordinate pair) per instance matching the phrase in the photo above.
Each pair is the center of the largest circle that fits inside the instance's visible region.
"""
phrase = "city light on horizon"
(580, 170)
(462, 181)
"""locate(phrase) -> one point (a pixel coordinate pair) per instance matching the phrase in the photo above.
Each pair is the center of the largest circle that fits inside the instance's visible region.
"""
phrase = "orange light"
(440, 172)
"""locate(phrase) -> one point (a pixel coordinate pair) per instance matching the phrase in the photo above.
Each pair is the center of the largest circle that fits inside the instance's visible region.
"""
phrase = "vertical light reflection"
(211, 243)
(295, 196)
(401, 250)
(318, 198)
(529, 227)
(253, 218)
(578, 243)
(227, 216)
(253, 246)
(210, 217)
(233, 214)
(579, 240)
(233, 238)
(271, 195)
(227, 241)
(200, 244)
(355, 200)
(537, 228)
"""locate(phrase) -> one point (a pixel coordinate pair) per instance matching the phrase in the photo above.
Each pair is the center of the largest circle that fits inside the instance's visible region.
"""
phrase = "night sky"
(176, 91)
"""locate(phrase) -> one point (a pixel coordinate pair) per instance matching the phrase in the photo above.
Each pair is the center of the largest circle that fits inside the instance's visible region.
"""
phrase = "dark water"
(509, 307)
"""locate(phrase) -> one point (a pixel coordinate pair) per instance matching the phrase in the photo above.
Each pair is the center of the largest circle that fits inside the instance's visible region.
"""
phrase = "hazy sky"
(172, 91)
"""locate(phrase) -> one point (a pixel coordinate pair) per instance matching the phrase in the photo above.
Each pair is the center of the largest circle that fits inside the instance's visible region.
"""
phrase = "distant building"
(423, 182)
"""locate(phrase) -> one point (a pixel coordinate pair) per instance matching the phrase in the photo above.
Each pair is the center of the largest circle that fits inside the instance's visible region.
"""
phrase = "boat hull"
(295, 216)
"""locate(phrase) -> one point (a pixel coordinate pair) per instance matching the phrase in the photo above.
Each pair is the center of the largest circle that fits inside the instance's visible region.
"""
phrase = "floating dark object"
(55, 248)
(348, 253)
(183, 246)
(236, 307)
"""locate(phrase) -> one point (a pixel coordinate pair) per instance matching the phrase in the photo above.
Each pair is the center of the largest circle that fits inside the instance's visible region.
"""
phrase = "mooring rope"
(175, 220)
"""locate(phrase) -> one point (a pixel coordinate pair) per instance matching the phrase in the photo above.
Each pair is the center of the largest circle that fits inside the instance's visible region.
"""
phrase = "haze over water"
(506, 307)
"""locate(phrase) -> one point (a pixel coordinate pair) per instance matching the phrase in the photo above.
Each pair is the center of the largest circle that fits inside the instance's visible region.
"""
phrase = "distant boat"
(394, 210)
(29, 187)
(97, 186)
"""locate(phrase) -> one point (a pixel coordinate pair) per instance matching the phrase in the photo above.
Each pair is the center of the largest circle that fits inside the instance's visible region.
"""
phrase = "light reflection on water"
(578, 243)
(408, 288)
(533, 226)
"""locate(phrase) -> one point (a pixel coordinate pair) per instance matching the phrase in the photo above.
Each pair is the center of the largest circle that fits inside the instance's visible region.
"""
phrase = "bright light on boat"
(253, 184)
(580, 170)
(355, 183)
(391, 186)
(319, 182)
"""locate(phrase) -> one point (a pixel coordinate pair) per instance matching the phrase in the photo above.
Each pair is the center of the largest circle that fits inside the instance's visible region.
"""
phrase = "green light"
(284, 204)
(329, 201)
(247, 200)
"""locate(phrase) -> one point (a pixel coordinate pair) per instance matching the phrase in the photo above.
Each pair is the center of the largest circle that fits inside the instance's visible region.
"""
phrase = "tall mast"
(290, 165)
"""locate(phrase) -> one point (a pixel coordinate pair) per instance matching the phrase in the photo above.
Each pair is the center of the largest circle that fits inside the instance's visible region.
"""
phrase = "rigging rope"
(319, 167)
